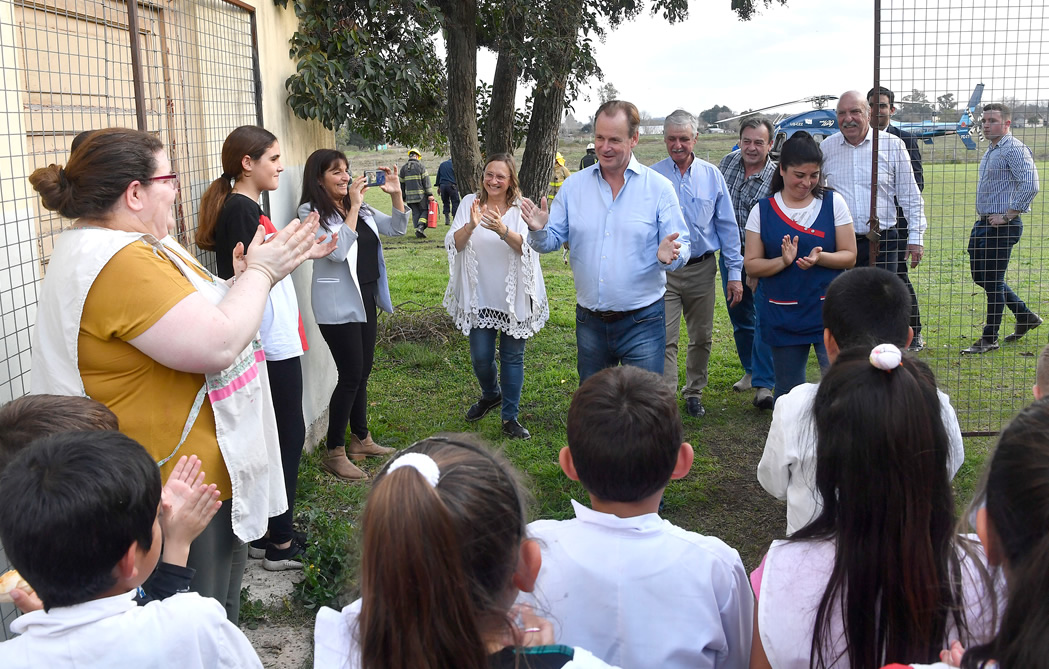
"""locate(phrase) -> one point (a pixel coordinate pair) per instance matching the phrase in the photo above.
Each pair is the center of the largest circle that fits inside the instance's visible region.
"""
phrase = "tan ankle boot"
(338, 464)
(359, 449)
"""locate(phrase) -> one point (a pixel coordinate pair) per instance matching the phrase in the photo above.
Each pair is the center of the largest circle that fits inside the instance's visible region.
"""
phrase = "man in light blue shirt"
(711, 220)
(624, 225)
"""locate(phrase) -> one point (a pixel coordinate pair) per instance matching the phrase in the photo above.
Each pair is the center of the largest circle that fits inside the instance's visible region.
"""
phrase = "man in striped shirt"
(1007, 186)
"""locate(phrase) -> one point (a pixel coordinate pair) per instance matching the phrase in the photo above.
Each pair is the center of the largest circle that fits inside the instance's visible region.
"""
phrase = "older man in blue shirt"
(624, 225)
(691, 290)
(1007, 186)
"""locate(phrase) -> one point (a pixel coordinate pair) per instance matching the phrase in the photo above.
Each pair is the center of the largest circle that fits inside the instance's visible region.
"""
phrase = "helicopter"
(821, 122)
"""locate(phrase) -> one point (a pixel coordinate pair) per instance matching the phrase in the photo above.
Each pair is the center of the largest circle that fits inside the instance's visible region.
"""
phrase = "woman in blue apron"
(798, 240)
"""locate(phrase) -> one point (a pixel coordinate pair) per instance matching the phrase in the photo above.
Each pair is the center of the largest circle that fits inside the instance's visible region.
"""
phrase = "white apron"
(240, 394)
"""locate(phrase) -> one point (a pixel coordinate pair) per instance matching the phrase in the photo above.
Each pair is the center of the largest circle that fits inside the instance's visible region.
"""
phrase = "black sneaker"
(515, 430)
(1024, 328)
(694, 407)
(917, 344)
(257, 548)
(420, 234)
(481, 408)
(981, 346)
(282, 559)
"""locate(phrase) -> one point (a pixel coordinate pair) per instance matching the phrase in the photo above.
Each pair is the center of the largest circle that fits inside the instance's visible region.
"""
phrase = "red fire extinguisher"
(431, 216)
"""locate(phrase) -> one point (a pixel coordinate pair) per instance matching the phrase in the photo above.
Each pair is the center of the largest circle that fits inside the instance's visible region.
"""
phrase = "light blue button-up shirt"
(614, 242)
(707, 207)
(1008, 178)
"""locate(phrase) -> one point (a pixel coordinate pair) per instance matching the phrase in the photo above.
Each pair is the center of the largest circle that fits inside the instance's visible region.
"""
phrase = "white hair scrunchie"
(886, 357)
(421, 463)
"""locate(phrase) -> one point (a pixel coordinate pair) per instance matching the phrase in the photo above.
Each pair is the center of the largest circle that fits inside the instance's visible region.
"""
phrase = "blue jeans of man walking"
(639, 339)
(754, 354)
(509, 379)
(989, 250)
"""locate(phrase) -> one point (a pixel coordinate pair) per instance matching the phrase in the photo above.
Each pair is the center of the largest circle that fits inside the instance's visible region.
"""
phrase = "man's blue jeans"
(510, 378)
(790, 363)
(639, 339)
(754, 354)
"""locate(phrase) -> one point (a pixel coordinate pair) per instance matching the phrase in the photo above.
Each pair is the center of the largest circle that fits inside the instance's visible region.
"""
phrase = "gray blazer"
(335, 292)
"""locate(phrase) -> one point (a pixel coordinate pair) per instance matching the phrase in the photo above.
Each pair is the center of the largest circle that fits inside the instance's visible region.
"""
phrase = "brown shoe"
(358, 448)
(338, 464)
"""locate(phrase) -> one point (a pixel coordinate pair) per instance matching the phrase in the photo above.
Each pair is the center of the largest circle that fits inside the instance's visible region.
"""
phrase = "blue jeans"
(754, 354)
(510, 378)
(790, 362)
(640, 340)
(989, 251)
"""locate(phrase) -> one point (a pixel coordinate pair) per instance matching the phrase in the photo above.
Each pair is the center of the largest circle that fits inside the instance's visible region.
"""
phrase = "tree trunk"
(548, 104)
(499, 127)
(460, 35)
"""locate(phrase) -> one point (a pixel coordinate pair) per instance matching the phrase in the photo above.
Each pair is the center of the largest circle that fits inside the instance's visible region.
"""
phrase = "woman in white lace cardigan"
(495, 289)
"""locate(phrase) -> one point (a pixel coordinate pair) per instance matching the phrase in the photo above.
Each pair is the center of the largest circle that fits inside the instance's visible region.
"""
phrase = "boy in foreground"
(634, 589)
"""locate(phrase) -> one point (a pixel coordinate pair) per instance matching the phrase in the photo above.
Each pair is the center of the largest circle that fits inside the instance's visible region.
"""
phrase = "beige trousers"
(690, 292)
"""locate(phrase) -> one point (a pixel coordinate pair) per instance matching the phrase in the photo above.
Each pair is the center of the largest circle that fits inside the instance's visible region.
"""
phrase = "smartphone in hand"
(374, 177)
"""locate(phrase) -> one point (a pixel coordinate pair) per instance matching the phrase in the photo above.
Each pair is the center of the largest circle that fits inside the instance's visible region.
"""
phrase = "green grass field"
(423, 383)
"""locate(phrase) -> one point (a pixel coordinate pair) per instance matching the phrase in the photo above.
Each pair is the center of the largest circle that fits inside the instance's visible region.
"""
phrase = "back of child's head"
(443, 527)
(32, 417)
(71, 506)
(881, 470)
(1041, 375)
(867, 306)
(624, 433)
(1017, 501)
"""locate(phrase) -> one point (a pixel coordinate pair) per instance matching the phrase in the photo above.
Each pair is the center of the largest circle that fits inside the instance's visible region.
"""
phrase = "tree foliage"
(745, 9)
(715, 114)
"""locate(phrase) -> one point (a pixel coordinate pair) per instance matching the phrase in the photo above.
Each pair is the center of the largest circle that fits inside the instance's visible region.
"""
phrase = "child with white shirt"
(865, 306)
(79, 521)
(617, 579)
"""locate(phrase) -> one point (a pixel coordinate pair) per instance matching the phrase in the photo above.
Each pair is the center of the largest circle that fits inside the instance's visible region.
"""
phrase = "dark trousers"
(219, 559)
(418, 212)
(989, 251)
(286, 388)
(352, 345)
(903, 271)
(449, 198)
(889, 251)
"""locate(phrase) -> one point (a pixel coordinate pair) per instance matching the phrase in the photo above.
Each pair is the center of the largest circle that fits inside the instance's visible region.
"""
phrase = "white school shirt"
(335, 644)
(642, 592)
(787, 469)
(794, 577)
(184, 631)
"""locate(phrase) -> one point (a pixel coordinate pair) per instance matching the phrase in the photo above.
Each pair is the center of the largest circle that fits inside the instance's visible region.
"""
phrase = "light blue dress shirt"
(707, 206)
(614, 242)
(1008, 178)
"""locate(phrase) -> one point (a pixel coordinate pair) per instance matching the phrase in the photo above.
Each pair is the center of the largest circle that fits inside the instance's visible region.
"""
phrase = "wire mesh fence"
(939, 56)
(186, 70)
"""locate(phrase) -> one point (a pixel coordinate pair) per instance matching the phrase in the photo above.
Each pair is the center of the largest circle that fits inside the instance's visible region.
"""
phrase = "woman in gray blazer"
(349, 285)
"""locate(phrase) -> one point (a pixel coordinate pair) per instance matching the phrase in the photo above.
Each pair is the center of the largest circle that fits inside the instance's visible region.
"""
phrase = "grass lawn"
(423, 383)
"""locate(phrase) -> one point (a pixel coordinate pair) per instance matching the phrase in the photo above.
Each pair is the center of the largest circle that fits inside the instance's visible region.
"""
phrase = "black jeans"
(449, 197)
(989, 251)
(286, 388)
(352, 345)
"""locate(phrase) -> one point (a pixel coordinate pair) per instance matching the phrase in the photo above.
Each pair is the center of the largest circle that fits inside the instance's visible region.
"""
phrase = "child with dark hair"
(187, 505)
(864, 307)
(444, 553)
(879, 575)
(634, 588)
(79, 520)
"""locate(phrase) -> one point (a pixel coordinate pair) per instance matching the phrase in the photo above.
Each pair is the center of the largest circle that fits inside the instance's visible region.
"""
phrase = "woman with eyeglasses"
(128, 317)
(495, 289)
(230, 215)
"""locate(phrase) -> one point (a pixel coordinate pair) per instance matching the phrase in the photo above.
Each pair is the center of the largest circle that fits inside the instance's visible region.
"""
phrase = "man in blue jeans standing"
(1007, 186)
(626, 230)
(748, 172)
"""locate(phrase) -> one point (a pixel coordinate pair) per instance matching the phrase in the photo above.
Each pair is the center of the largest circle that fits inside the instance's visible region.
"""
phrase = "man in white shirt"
(617, 579)
(865, 306)
(847, 167)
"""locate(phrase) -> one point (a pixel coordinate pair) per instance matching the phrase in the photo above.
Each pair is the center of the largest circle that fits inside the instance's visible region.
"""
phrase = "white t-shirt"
(787, 469)
(184, 631)
(335, 643)
(642, 592)
(805, 216)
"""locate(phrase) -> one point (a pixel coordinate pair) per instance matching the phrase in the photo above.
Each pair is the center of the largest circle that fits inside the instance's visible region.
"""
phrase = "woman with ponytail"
(129, 318)
(230, 215)
(880, 575)
(443, 556)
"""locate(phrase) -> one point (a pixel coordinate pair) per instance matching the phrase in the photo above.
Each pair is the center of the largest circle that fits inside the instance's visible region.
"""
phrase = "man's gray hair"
(757, 121)
(681, 119)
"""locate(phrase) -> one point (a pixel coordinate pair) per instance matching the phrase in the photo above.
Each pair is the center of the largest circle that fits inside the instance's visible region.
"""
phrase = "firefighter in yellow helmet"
(558, 177)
